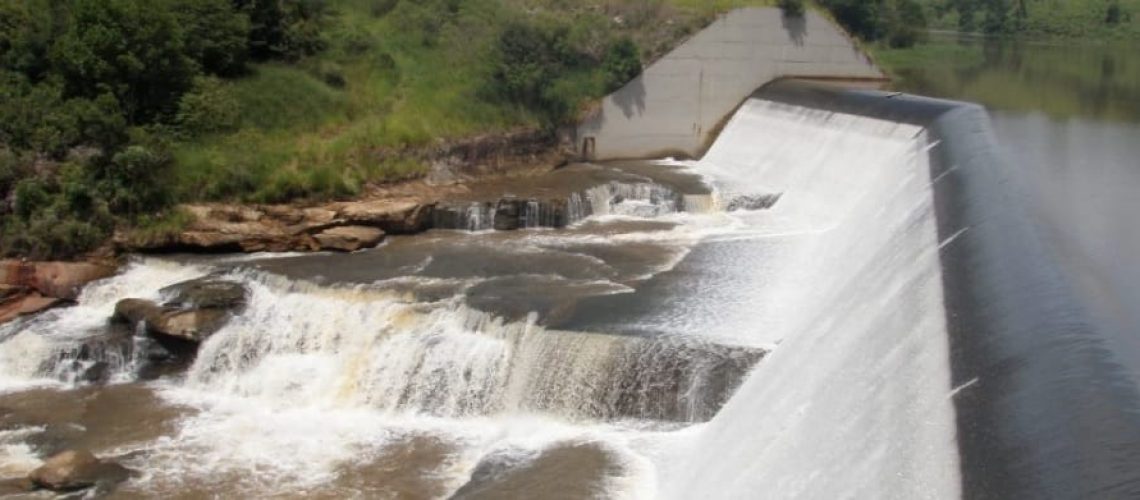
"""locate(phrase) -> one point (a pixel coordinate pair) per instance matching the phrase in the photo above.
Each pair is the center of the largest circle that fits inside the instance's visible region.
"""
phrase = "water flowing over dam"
(827, 344)
(848, 295)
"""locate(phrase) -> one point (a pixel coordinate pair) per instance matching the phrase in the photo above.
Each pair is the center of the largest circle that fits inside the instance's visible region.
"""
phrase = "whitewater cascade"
(855, 400)
(858, 310)
(638, 199)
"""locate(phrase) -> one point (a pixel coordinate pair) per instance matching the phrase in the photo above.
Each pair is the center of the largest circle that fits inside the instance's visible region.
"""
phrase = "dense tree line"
(900, 23)
(94, 90)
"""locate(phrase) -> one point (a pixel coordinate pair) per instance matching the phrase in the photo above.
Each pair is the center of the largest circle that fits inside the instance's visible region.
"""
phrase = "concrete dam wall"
(674, 107)
(932, 346)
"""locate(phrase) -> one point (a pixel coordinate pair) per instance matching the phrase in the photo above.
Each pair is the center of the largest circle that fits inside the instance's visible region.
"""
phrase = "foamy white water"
(855, 401)
(28, 345)
(841, 276)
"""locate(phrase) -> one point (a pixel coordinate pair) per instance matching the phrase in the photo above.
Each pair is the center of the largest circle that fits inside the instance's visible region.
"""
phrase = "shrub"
(31, 197)
(133, 182)
(381, 8)
(1114, 14)
(332, 74)
(210, 107)
(622, 63)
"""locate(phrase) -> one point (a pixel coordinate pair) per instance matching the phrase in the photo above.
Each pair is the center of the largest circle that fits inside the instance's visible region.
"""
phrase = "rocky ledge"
(31, 287)
(342, 226)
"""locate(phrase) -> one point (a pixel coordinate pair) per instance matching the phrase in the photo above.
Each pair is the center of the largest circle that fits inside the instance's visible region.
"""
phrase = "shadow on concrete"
(796, 26)
(632, 97)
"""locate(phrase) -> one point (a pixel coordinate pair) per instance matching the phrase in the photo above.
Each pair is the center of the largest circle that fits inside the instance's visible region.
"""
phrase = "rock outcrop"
(340, 226)
(62, 280)
(349, 238)
(31, 287)
(77, 469)
(195, 309)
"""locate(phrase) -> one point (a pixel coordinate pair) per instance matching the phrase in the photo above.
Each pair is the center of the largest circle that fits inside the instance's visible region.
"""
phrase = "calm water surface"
(1068, 117)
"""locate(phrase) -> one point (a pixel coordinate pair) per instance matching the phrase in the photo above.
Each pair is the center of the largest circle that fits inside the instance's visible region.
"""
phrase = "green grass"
(320, 128)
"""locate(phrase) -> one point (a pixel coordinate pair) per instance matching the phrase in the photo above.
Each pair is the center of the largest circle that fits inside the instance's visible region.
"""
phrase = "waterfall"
(372, 349)
(855, 400)
(74, 344)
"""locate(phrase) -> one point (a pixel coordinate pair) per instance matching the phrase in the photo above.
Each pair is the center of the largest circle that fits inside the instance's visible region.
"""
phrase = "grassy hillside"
(116, 110)
(403, 77)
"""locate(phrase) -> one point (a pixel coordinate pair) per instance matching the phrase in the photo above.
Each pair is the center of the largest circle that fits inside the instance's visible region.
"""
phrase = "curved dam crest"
(676, 105)
(948, 355)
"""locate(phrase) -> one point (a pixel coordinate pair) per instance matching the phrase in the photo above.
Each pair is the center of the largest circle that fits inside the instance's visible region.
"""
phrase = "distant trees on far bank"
(899, 23)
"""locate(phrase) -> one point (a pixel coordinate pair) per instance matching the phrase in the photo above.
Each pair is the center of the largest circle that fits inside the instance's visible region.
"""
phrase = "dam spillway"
(828, 345)
(890, 321)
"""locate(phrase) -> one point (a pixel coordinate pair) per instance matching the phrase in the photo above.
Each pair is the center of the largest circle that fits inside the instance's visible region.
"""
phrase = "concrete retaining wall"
(676, 105)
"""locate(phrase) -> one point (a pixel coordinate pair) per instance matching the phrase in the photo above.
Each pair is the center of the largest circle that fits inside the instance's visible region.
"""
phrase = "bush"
(1114, 14)
(381, 8)
(31, 197)
(532, 59)
(210, 107)
(622, 63)
(332, 74)
(134, 181)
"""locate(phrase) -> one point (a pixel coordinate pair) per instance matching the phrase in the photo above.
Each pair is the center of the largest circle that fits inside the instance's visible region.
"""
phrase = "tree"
(127, 48)
(905, 24)
(215, 35)
(284, 29)
(27, 29)
(863, 18)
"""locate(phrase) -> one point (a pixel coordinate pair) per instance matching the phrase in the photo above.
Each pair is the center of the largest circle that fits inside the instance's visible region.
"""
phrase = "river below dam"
(782, 318)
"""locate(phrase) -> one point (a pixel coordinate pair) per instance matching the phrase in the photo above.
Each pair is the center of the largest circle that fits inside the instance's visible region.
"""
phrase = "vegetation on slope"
(114, 110)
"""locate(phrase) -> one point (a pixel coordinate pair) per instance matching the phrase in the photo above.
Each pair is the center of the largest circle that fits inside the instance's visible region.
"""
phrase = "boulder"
(195, 325)
(134, 311)
(194, 310)
(16, 486)
(508, 213)
(77, 469)
(205, 292)
(349, 238)
(394, 216)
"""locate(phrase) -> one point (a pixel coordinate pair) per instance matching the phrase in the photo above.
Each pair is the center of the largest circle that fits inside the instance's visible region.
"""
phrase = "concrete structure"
(675, 107)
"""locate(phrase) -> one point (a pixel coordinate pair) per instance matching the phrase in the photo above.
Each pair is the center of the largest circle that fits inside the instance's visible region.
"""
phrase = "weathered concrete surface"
(676, 105)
